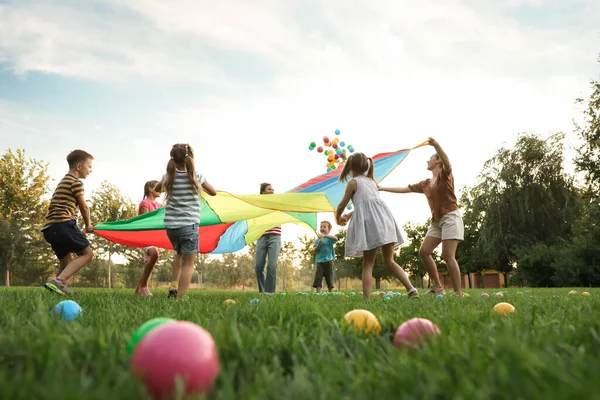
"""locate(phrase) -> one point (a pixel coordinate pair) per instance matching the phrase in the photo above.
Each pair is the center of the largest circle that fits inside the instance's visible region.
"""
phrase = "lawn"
(296, 347)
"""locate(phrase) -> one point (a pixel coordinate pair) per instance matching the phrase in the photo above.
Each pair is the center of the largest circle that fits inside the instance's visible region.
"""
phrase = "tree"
(23, 185)
(286, 270)
(523, 197)
(345, 267)
(588, 155)
(108, 204)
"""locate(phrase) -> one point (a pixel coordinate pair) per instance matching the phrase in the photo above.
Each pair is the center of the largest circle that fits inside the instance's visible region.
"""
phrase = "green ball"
(312, 144)
(143, 331)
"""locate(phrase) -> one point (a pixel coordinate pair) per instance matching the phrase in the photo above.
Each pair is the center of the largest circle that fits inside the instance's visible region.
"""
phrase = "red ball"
(414, 332)
(320, 149)
(336, 156)
(325, 139)
(179, 349)
(335, 145)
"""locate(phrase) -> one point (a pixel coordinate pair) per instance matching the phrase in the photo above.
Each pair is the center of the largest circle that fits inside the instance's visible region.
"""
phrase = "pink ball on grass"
(181, 350)
(414, 332)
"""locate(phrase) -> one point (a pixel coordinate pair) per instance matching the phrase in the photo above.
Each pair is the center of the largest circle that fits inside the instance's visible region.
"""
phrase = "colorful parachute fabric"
(330, 185)
(227, 222)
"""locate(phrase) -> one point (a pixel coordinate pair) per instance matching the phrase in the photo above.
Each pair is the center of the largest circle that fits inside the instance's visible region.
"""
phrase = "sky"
(249, 84)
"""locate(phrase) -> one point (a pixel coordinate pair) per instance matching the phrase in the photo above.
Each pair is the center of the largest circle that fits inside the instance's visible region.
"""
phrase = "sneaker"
(458, 294)
(413, 293)
(172, 292)
(435, 291)
(58, 286)
(143, 290)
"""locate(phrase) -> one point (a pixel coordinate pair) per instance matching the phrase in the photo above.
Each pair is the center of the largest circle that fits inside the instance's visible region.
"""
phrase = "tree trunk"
(377, 283)
(109, 269)
(470, 283)
(7, 281)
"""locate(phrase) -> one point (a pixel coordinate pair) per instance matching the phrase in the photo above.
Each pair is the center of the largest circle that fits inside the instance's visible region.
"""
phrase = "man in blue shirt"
(324, 257)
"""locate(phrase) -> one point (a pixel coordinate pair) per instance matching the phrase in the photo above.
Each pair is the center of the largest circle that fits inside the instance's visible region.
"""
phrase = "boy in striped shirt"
(61, 230)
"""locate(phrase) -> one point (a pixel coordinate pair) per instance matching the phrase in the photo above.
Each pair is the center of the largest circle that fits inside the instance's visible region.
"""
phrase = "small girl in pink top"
(148, 204)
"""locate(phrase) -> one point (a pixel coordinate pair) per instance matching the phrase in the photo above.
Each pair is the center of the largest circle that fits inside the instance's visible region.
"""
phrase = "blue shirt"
(325, 252)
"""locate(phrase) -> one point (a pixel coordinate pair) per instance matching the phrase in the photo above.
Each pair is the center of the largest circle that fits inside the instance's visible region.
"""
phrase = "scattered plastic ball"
(143, 330)
(254, 301)
(585, 294)
(573, 292)
(504, 309)
(363, 320)
(68, 310)
(499, 294)
(485, 295)
(176, 351)
(229, 302)
(440, 296)
(414, 332)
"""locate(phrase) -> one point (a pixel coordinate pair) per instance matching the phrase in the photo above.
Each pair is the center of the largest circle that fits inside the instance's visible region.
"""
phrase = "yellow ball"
(229, 302)
(504, 309)
(573, 292)
(363, 320)
(585, 294)
(465, 294)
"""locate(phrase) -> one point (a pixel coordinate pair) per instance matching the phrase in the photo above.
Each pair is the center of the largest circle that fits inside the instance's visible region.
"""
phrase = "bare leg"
(76, 264)
(393, 267)
(187, 270)
(427, 247)
(176, 270)
(367, 273)
(449, 254)
(63, 262)
(148, 265)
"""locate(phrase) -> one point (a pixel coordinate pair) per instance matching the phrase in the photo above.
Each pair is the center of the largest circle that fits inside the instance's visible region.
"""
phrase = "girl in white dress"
(372, 225)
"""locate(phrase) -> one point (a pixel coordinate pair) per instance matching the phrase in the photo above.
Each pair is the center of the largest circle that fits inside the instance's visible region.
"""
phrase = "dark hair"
(357, 163)
(182, 155)
(147, 186)
(263, 187)
(78, 156)
(328, 224)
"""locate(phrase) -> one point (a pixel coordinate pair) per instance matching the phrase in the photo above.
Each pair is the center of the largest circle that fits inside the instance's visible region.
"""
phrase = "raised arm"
(443, 156)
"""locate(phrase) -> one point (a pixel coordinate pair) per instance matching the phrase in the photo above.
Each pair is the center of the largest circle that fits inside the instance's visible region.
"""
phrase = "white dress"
(372, 224)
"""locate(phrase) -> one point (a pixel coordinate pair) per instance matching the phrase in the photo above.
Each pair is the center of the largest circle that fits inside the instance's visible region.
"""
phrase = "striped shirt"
(273, 231)
(183, 206)
(63, 205)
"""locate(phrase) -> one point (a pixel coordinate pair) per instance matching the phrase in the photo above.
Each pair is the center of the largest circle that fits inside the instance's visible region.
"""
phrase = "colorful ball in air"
(337, 131)
(363, 321)
(177, 351)
(67, 309)
(143, 330)
(344, 156)
(342, 144)
(325, 139)
(503, 309)
(414, 332)
(351, 149)
(320, 149)
(313, 144)
(335, 145)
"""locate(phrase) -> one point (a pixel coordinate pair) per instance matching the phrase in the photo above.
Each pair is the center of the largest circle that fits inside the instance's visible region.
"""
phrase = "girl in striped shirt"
(183, 185)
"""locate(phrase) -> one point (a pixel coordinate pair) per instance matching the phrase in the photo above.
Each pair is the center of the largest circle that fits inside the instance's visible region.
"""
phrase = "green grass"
(295, 347)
